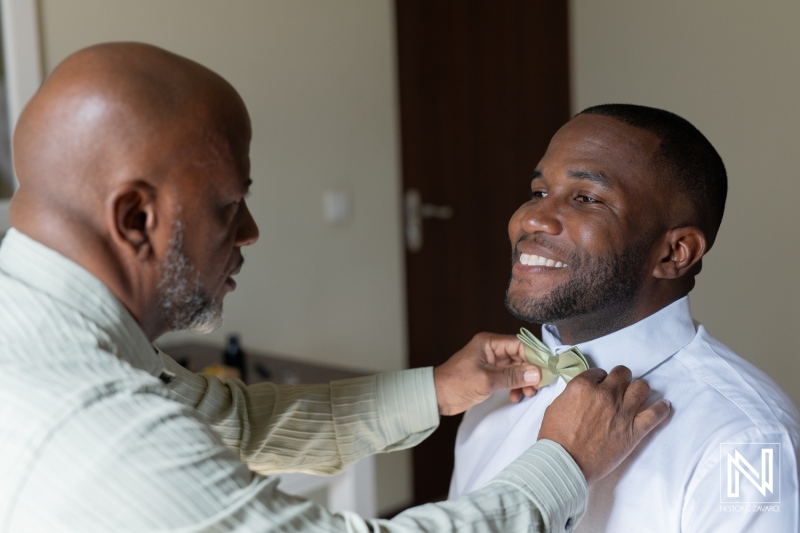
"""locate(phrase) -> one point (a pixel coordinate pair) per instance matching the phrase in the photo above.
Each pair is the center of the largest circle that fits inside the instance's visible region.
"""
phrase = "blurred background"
(356, 104)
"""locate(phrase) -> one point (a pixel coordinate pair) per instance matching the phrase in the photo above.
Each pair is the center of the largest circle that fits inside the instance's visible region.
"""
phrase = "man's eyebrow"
(595, 177)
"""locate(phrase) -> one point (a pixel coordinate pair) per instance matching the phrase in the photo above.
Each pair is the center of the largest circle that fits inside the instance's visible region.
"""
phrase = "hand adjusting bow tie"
(567, 364)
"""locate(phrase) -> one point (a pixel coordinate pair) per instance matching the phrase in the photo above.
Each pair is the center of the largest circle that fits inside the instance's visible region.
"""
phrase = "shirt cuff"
(407, 402)
(551, 478)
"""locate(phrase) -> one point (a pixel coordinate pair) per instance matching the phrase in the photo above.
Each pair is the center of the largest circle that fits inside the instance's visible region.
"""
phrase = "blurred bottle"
(234, 362)
(234, 357)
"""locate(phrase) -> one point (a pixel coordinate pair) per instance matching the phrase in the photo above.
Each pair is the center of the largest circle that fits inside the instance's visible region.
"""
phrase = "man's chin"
(204, 328)
(523, 309)
(535, 307)
(206, 321)
(521, 295)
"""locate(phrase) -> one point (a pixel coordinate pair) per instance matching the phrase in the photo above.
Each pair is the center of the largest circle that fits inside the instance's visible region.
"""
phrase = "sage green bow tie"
(567, 364)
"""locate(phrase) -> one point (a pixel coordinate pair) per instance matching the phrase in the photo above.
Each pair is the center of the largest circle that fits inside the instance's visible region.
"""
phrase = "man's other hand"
(599, 419)
(488, 363)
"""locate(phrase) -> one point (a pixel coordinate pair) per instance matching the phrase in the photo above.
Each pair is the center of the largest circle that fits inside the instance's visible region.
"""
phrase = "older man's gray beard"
(183, 303)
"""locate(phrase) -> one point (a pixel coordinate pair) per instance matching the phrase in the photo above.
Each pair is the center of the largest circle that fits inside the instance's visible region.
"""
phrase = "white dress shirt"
(91, 439)
(677, 479)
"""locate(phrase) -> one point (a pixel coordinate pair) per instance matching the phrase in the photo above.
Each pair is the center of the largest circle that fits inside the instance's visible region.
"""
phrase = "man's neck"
(590, 326)
(586, 328)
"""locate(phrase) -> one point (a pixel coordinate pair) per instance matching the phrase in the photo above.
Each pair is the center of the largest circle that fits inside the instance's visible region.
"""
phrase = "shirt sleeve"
(543, 490)
(292, 428)
(140, 462)
(316, 429)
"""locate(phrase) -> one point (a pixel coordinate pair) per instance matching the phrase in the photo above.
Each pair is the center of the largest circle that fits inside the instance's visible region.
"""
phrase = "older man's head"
(134, 163)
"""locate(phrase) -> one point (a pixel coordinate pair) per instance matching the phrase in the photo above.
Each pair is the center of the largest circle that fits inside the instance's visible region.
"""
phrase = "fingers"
(619, 377)
(597, 419)
(504, 348)
(516, 377)
(517, 395)
(504, 359)
(507, 354)
(486, 364)
(635, 396)
(595, 375)
(651, 417)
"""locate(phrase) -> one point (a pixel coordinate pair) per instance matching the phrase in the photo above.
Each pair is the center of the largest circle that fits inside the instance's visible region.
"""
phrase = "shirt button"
(568, 525)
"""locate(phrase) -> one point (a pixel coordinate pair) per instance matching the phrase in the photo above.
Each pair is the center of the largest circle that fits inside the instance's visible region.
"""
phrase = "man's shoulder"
(738, 386)
(123, 423)
(29, 314)
(78, 402)
(52, 382)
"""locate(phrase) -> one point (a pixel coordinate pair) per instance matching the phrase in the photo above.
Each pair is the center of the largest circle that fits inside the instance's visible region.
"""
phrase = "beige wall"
(731, 68)
(319, 81)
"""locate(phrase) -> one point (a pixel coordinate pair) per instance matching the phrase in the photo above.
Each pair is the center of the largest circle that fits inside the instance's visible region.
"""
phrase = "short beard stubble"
(606, 282)
(183, 303)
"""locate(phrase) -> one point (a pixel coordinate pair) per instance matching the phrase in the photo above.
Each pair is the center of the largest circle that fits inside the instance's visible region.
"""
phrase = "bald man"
(129, 222)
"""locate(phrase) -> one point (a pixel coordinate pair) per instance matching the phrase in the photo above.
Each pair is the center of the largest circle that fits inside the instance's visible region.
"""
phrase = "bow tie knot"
(566, 365)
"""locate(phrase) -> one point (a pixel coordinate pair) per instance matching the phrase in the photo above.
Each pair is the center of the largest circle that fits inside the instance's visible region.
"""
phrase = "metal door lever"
(415, 212)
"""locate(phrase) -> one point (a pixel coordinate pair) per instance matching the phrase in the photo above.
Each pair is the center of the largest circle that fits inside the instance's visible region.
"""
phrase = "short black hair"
(685, 156)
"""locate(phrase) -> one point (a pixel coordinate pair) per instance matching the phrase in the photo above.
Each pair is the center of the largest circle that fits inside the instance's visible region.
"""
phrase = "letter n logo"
(748, 472)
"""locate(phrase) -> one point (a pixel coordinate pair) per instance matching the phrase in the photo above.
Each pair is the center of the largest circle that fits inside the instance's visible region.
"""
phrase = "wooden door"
(483, 87)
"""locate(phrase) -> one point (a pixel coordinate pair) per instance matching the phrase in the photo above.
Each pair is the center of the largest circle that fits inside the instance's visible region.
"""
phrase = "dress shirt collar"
(641, 346)
(48, 271)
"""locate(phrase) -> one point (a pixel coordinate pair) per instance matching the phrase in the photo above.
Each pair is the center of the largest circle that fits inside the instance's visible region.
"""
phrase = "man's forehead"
(600, 140)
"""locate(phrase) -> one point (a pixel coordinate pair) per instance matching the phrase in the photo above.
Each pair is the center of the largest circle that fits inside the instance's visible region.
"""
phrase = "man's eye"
(587, 199)
(538, 194)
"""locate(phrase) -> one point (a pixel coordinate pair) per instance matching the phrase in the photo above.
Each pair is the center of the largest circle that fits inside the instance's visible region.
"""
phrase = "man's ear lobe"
(133, 217)
(683, 249)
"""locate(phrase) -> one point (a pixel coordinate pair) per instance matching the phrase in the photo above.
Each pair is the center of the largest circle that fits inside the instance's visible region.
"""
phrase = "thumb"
(648, 419)
(516, 377)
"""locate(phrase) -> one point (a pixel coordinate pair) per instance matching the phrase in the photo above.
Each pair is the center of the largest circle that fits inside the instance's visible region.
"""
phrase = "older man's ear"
(133, 218)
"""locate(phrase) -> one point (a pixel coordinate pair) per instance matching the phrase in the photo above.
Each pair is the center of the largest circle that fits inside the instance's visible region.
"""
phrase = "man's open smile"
(538, 260)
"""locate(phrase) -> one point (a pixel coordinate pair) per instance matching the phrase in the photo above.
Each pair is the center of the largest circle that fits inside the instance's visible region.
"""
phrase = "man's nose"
(541, 216)
(248, 229)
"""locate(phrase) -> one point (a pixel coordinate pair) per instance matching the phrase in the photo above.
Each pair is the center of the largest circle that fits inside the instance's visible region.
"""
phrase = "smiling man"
(624, 205)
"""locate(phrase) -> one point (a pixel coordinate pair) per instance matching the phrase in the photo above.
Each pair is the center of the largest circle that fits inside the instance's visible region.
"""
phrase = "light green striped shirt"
(92, 440)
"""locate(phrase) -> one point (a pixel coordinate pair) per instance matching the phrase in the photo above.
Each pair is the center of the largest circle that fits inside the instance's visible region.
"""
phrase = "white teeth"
(537, 260)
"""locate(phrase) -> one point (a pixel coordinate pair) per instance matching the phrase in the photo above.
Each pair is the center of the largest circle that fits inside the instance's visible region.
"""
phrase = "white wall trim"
(4, 225)
(22, 51)
(23, 65)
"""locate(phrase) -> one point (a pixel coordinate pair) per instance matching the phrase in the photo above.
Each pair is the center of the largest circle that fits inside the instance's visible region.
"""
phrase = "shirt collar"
(47, 271)
(641, 346)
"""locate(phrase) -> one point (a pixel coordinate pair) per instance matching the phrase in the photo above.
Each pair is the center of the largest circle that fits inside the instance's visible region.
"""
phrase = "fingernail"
(530, 376)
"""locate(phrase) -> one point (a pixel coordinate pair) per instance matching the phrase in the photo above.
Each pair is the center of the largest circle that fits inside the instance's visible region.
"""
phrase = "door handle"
(415, 213)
